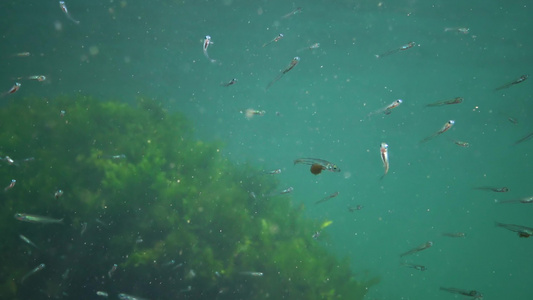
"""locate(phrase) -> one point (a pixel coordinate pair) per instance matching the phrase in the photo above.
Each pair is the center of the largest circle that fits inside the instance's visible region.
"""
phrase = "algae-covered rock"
(139, 191)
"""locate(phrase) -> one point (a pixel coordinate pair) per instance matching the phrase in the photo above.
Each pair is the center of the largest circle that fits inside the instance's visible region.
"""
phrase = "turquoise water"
(123, 50)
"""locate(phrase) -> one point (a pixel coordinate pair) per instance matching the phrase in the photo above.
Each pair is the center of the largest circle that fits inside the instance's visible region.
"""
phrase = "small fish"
(461, 143)
(36, 219)
(455, 100)
(58, 194)
(327, 198)
(313, 46)
(62, 113)
(512, 120)
(27, 241)
(417, 249)
(28, 159)
(273, 172)
(294, 12)
(279, 37)
(318, 165)
(35, 270)
(527, 137)
(114, 157)
(444, 128)
(402, 48)
(517, 81)
(66, 273)
(316, 235)
(83, 228)
(11, 185)
(63, 7)
(454, 234)
(250, 113)
(13, 162)
(169, 263)
(251, 273)
(287, 190)
(112, 270)
(12, 90)
(493, 189)
(293, 63)
(394, 104)
(123, 296)
(102, 294)
(207, 42)
(10, 161)
(325, 224)
(474, 294)
(527, 200)
(101, 222)
(39, 78)
(387, 109)
(413, 266)
(231, 82)
(385, 158)
(22, 54)
(523, 231)
(462, 30)
(352, 209)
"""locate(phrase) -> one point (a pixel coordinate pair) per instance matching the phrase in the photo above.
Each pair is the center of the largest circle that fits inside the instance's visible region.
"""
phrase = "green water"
(123, 50)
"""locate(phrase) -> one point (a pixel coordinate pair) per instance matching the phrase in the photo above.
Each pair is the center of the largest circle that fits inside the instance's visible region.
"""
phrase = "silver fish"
(27, 240)
(37, 219)
(35, 270)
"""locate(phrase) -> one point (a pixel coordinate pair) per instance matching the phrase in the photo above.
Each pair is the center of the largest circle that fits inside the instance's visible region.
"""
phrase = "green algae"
(169, 210)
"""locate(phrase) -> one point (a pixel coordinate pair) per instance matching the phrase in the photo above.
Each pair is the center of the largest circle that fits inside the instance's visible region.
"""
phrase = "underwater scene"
(232, 149)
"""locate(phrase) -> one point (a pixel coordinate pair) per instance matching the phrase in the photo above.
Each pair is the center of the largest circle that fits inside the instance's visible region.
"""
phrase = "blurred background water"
(127, 49)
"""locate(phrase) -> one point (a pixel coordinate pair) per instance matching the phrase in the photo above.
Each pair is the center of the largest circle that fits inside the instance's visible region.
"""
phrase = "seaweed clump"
(139, 191)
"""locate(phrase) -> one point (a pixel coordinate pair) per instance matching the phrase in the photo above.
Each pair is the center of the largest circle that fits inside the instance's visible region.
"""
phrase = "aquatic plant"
(140, 192)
